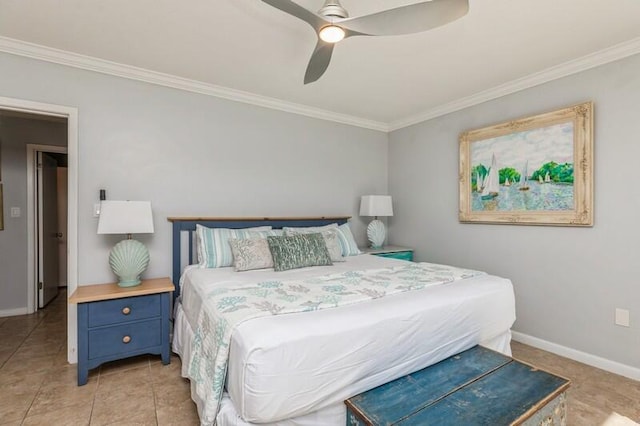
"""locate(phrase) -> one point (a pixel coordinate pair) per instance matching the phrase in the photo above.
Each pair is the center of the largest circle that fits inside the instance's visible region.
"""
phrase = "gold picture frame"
(536, 170)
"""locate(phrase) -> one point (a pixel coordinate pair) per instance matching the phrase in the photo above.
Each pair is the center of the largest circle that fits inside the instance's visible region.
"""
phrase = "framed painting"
(536, 170)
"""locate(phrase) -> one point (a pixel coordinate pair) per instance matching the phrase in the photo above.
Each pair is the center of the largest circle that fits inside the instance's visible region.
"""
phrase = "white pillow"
(345, 236)
(251, 253)
(310, 229)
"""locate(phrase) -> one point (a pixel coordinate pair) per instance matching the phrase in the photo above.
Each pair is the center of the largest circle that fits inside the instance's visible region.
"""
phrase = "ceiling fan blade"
(413, 18)
(294, 9)
(319, 61)
(321, 57)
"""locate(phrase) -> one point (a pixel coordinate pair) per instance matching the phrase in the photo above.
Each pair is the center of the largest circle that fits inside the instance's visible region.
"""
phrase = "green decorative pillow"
(330, 236)
(298, 251)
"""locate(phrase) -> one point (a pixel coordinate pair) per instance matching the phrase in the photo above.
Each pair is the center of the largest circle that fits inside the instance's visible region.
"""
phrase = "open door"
(62, 223)
(48, 234)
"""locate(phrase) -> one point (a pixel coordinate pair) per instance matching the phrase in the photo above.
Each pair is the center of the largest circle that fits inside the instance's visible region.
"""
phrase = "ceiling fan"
(332, 24)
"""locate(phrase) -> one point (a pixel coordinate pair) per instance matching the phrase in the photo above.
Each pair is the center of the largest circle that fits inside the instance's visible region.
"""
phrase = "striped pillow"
(347, 242)
(214, 250)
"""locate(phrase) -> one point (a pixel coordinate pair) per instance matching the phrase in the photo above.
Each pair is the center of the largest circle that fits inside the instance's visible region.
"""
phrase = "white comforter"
(290, 365)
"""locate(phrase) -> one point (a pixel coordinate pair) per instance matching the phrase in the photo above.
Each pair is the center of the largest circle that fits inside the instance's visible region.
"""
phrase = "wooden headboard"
(184, 231)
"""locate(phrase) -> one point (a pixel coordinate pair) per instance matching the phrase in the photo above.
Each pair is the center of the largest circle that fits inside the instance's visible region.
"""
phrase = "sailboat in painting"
(547, 179)
(492, 182)
(523, 178)
(506, 182)
(479, 183)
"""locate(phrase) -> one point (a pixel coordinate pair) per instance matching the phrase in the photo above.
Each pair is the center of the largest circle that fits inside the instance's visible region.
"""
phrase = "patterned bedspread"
(225, 308)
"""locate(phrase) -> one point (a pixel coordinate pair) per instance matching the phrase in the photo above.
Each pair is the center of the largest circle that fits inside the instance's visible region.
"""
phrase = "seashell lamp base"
(376, 233)
(128, 260)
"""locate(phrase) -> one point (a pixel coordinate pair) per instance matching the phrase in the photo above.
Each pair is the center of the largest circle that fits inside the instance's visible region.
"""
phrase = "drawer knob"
(126, 310)
(126, 339)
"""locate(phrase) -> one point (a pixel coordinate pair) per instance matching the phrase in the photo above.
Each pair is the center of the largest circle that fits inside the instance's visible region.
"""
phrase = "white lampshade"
(376, 205)
(125, 217)
(129, 258)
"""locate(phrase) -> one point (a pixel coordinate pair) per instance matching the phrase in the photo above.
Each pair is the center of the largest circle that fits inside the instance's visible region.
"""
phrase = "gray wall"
(195, 155)
(567, 281)
(15, 134)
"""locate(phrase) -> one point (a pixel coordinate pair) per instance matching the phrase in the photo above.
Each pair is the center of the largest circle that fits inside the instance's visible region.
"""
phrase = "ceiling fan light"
(331, 34)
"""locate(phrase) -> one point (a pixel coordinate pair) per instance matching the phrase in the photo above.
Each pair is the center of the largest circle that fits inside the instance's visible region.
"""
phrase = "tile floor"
(594, 394)
(39, 386)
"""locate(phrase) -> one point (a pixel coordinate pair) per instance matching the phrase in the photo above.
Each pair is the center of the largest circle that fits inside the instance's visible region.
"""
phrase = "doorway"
(71, 114)
(43, 231)
(51, 217)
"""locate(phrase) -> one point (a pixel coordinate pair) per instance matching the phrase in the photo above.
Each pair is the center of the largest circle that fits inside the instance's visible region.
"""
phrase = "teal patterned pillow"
(330, 236)
(298, 251)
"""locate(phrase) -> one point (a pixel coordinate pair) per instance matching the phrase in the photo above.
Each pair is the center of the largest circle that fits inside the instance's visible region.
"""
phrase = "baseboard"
(583, 357)
(13, 312)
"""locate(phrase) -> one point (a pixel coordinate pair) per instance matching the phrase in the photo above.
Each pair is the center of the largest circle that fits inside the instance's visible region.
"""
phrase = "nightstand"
(116, 322)
(394, 252)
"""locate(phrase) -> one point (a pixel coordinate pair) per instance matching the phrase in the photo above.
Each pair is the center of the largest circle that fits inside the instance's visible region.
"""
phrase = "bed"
(298, 368)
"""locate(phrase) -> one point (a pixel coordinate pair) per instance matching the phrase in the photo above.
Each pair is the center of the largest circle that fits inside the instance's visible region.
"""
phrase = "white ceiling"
(249, 46)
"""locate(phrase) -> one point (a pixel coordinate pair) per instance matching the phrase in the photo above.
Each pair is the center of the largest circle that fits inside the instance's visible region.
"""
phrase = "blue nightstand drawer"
(124, 338)
(116, 322)
(123, 310)
(402, 255)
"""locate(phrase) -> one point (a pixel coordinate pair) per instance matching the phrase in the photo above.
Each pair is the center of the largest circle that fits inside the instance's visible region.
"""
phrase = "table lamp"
(376, 205)
(129, 258)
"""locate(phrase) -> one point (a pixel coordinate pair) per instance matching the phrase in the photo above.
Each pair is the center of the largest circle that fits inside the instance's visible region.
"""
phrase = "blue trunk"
(475, 387)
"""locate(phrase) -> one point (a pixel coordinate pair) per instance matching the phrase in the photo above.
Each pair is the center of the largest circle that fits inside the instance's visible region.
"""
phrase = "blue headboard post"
(188, 224)
(175, 271)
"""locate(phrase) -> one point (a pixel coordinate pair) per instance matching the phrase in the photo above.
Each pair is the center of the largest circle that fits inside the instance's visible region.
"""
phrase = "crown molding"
(49, 54)
(35, 51)
(592, 60)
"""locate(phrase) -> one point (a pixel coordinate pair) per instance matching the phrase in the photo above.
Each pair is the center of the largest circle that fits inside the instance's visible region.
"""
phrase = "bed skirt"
(334, 414)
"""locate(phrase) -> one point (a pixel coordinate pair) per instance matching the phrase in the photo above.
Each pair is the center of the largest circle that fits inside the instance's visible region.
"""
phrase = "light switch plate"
(15, 212)
(622, 317)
